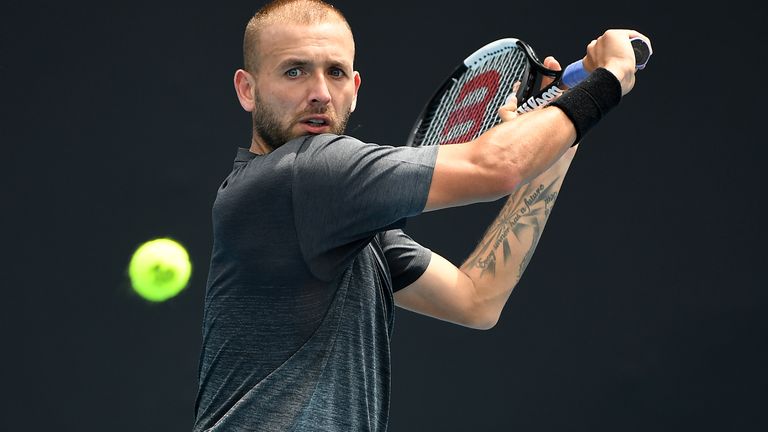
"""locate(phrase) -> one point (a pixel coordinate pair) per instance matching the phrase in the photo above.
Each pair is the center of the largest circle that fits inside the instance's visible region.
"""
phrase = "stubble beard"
(266, 124)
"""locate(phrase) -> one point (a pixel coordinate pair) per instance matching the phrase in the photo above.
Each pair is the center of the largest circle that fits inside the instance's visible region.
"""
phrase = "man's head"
(298, 75)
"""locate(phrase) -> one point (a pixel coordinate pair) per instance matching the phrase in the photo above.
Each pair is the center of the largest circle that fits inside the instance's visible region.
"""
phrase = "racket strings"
(515, 65)
(471, 104)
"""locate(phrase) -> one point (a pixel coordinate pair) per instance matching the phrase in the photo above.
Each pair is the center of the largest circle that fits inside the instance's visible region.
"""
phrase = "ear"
(244, 86)
(357, 87)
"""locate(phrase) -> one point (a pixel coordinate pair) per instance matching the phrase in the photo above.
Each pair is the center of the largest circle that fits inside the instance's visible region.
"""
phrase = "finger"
(550, 63)
(631, 34)
(512, 98)
(508, 111)
(587, 61)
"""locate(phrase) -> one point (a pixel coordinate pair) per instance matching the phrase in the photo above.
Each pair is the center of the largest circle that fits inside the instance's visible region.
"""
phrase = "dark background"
(643, 309)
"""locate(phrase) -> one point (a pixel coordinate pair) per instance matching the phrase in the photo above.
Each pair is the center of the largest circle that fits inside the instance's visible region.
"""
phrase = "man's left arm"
(475, 294)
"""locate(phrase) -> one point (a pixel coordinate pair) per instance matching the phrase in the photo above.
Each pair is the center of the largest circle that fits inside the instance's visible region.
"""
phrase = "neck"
(258, 147)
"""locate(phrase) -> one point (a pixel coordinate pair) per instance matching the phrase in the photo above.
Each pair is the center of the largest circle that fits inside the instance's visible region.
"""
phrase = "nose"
(318, 91)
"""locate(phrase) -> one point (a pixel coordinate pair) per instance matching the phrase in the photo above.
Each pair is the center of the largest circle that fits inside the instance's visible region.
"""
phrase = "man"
(309, 259)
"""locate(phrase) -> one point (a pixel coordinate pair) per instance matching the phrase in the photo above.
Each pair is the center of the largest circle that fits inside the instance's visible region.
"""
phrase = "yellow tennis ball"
(159, 269)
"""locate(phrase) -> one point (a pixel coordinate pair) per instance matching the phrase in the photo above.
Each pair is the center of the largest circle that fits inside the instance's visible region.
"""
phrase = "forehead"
(326, 41)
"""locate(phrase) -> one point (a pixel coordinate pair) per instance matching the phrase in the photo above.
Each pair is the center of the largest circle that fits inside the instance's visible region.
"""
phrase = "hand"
(508, 111)
(613, 51)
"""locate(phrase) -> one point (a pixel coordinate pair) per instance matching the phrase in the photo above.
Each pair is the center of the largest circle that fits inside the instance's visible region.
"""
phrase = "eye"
(337, 73)
(293, 73)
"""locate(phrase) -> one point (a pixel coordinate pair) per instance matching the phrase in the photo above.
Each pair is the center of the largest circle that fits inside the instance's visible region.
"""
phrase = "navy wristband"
(590, 100)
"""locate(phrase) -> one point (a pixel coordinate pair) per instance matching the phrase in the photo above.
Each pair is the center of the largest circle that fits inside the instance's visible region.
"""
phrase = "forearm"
(518, 150)
(499, 260)
(527, 146)
(495, 164)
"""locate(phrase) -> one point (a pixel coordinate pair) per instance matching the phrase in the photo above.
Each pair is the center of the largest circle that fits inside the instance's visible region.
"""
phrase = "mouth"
(316, 124)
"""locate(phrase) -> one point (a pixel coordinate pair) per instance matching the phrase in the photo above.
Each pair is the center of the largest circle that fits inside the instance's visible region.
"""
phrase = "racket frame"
(530, 80)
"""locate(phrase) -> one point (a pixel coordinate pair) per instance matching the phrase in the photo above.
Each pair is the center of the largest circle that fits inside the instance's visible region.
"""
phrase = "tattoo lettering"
(524, 216)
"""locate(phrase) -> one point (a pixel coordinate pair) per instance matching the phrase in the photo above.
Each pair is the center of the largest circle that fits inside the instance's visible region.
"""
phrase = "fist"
(613, 51)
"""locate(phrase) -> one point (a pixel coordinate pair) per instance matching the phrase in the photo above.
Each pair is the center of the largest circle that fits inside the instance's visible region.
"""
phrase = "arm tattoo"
(523, 216)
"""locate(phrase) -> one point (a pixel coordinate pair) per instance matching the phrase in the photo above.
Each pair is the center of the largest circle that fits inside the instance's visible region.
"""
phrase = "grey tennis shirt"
(308, 250)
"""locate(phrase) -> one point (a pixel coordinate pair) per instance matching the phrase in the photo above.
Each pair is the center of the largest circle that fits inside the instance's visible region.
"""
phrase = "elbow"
(485, 323)
(481, 306)
(484, 309)
(482, 318)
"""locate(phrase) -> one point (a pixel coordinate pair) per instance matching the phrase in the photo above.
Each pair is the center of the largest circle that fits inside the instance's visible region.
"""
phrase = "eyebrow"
(297, 61)
(293, 61)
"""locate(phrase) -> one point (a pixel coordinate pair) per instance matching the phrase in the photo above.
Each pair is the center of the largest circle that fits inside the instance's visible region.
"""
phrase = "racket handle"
(575, 73)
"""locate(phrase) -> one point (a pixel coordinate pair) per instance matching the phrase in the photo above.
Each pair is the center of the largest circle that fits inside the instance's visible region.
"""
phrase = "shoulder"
(329, 154)
(319, 144)
(345, 150)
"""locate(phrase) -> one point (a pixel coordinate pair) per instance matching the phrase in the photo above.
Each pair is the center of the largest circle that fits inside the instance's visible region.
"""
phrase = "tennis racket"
(466, 104)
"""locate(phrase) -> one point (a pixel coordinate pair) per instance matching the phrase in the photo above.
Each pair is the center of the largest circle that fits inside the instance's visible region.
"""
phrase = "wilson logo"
(471, 115)
(539, 101)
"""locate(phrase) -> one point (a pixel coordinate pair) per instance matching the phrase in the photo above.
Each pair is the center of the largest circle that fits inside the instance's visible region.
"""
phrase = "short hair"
(285, 12)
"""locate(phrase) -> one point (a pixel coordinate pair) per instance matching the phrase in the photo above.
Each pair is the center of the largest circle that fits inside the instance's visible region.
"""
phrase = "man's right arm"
(514, 152)
(494, 164)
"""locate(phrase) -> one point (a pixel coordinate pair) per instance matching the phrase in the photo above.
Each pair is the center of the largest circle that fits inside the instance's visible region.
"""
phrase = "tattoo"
(523, 216)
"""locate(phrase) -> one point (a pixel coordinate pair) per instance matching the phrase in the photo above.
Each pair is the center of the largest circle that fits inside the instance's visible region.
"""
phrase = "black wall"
(643, 308)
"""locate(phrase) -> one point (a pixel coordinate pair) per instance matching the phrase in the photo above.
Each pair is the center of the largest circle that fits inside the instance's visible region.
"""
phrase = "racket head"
(467, 103)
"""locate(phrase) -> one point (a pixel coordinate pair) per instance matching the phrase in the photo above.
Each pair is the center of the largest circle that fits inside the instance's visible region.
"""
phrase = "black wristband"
(587, 102)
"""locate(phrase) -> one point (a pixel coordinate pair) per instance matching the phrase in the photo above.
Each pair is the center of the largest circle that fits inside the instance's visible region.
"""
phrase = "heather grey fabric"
(298, 308)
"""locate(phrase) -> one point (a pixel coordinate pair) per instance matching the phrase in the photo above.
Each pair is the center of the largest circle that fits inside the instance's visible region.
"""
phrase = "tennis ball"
(159, 269)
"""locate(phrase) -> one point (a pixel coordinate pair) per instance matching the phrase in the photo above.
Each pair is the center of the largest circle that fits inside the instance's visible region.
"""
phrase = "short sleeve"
(406, 258)
(346, 191)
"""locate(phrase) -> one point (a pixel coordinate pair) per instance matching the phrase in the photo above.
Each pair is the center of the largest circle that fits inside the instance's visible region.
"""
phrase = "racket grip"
(575, 73)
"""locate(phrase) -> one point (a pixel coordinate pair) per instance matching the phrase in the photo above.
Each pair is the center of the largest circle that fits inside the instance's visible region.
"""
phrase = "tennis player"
(309, 259)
